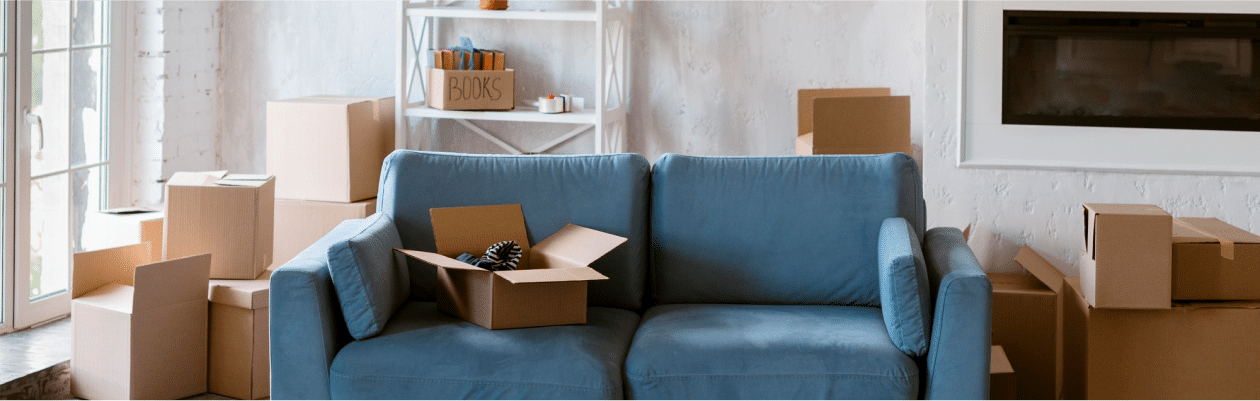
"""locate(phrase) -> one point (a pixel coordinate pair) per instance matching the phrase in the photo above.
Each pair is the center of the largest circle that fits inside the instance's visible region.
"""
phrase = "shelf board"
(522, 114)
(535, 15)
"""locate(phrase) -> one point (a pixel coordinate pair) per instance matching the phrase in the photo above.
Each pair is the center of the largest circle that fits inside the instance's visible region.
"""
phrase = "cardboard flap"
(1211, 230)
(1129, 209)
(247, 294)
(244, 180)
(112, 296)
(95, 269)
(551, 275)
(472, 229)
(805, 103)
(574, 246)
(439, 260)
(195, 179)
(862, 125)
(1039, 267)
(171, 282)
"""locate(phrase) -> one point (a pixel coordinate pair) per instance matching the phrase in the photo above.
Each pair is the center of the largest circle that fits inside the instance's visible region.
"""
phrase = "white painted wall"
(1038, 207)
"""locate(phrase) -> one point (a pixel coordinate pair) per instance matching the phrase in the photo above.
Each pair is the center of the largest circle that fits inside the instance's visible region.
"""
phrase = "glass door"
(8, 81)
(63, 106)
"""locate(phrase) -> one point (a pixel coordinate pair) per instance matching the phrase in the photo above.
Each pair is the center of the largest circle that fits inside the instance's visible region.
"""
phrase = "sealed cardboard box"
(852, 121)
(1001, 375)
(329, 148)
(1213, 260)
(228, 215)
(1128, 256)
(1203, 350)
(239, 362)
(139, 326)
(300, 223)
(471, 89)
(1027, 318)
(548, 286)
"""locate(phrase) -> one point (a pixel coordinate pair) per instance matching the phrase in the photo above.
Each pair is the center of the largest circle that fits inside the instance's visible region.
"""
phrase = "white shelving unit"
(605, 114)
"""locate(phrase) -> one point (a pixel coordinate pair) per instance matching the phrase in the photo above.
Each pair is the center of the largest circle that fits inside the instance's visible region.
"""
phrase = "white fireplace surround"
(987, 143)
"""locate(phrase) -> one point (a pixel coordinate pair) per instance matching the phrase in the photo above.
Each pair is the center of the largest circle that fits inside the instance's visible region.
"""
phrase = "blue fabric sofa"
(742, 277)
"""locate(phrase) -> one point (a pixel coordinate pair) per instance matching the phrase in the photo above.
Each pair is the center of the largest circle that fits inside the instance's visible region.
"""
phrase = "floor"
(35, 364)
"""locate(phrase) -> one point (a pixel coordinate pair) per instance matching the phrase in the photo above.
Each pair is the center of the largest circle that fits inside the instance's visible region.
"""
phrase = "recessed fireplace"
(1130, 69)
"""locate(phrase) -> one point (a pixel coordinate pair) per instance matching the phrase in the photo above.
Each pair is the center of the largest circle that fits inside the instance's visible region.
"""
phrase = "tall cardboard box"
(239, 353)
(228, 215)
(1002, 376)
(852, 121)
(547, 288)
(300, 223)
(1205, 350)
(1128, 256)
(329, 148)
(1213, 260)
(1027, 316)
(139, 327)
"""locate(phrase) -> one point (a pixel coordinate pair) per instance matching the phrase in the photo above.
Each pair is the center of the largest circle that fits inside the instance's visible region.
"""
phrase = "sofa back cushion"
(608, 193)
(777, 229)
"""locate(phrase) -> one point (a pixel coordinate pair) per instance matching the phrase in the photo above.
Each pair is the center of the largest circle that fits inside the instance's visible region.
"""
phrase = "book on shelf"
(447, 59)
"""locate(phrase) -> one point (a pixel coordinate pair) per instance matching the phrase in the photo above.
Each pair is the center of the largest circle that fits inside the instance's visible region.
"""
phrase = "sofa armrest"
(307, 327)
(957, 364)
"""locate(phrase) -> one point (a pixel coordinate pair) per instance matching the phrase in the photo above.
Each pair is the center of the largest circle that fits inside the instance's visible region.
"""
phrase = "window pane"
(49, 24)
(50, 248)
(49, 82)
(91, 196)
(87, 106)
(90, 20)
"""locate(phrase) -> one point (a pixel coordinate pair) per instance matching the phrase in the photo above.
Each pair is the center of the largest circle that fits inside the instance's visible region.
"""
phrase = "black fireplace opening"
(1138, 70)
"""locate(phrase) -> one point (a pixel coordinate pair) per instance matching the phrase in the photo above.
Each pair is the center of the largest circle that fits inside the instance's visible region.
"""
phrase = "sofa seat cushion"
(711, 351)
(425, 354)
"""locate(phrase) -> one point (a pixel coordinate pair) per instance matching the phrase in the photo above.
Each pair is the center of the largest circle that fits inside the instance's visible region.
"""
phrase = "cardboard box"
(230, 216)
(300, 223)
(1002, 377)
(1212, 260)
(329, 148)
(1128, 256)
(139, 327)
(1205, 350)
(125, 226)
(547, 288)
(1027, 316)
(852, 121)
(239, 355)
(471, 89)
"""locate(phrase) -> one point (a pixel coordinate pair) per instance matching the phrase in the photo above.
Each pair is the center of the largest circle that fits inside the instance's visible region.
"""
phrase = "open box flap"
(572, 247)
(473, 229)
(551, 275)
(244, 180)
(195, 178)
(1189, 230)
(95, 269)
(1129, 209)
(439, 260)
(1039, 267)
(172, 282)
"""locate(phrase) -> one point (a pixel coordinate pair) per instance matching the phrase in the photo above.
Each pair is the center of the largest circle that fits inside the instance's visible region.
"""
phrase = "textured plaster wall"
(1041, 208)
(707, 78)
(274, 50)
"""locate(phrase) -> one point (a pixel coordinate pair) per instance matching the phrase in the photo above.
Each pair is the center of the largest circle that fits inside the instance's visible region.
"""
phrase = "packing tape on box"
(1227, 245)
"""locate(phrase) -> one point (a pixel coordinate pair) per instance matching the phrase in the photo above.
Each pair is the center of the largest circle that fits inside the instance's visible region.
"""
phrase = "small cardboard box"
(852, 121)
(471, 89)
(1127, 262)
(549, 286)
(239, 359)
(139, 327)
(230, 216)
(1027, 322)
(300, 223)
(1002, 377)
(1205, 350)
(1213, 260)
(329, 148)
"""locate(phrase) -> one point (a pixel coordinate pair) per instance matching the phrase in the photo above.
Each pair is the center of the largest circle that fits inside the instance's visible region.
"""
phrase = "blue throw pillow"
(370, 282)
(903, 287)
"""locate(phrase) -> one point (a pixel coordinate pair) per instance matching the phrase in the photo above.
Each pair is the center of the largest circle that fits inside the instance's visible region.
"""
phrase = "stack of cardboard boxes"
(326, 153)
(1164, 308)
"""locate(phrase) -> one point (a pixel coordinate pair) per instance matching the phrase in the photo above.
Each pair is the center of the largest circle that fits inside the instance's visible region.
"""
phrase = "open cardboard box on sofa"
(548, 286)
